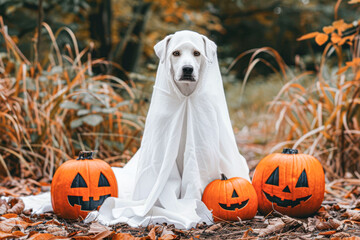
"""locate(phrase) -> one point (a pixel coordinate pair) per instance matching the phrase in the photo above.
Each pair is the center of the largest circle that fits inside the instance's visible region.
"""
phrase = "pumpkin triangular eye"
(78, 182)
(234, 194)
(103, 182)
(274, 178)
(302, 181)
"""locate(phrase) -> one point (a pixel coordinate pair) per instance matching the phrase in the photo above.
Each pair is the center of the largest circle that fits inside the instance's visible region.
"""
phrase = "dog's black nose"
(188, 69)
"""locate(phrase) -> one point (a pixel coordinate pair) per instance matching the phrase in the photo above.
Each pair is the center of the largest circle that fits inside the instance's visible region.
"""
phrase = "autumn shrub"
(318, 112)
(53, 107)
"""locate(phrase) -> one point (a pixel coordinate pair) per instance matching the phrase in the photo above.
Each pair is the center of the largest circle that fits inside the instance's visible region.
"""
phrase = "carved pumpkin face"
(230, 199)
(82, 185)
(291, 183)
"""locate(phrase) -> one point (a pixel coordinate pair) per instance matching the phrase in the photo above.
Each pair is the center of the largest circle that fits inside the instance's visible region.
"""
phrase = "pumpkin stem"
(223, 177)
(85, 155)
(290, 151)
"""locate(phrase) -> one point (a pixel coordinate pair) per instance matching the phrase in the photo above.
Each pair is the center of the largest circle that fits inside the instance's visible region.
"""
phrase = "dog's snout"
(187, 69)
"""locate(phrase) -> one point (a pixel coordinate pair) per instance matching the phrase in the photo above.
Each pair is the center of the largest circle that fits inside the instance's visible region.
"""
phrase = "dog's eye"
(196, 53)
(176, 53)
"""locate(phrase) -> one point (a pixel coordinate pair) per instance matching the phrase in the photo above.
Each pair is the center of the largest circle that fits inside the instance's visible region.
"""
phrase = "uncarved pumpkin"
(289, 182)
(230, 199)
(80, 186)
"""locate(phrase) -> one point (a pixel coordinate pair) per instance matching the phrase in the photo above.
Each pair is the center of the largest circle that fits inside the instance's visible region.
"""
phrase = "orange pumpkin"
(230, 199)
(289, 182)
(80, 186)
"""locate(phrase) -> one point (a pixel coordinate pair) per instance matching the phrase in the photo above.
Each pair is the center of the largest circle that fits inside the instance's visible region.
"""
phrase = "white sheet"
(188, 142)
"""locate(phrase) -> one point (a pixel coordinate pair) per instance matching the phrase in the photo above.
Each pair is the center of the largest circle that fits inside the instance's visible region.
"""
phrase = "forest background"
(78, 75)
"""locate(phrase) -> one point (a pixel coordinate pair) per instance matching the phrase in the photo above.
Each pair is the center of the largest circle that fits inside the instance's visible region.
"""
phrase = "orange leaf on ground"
(330, 224)
(168, 237)
(41, 236)
(152, 233)
(321, 38)
(4, 235)
(103, 235)
(10, 215)
(308, 36)
(123, 236)
(328, 233)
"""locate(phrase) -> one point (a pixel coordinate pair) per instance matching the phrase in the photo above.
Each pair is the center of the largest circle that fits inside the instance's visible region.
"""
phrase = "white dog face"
(186, 62)
(186, 53)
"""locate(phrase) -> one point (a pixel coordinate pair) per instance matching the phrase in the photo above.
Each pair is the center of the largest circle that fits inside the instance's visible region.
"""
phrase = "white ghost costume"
(188, 142)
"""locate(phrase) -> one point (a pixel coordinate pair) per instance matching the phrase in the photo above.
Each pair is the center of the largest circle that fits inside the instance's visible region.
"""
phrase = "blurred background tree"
(126, 30)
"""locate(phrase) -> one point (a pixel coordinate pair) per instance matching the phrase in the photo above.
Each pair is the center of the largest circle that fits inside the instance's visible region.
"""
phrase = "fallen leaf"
(17, 206)
(57, 231)
(310, 226)
(273, 227)
(3, 208)
(10, 215)
(18, 234)
(123, 236)
(213, 227)
(144, 238)
(96, 227)
(8, 224)
(352, 214)
(152, 234)
(340, 235)
(322, 212)
(41, 236)
(4, 235)
(81, 237)
(330, 224)
(291, 223)
(168, 237)
(103, 235)
(167, 232)
(54, 222)
(328, 233)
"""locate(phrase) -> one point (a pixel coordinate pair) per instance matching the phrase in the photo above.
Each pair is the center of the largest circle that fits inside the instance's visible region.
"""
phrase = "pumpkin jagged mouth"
(87, 205)
(285, 202)
(234, 206)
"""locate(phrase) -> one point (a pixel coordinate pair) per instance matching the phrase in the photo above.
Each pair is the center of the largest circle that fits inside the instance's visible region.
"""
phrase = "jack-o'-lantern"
(81, 185)
(230, 199)
(289, 182)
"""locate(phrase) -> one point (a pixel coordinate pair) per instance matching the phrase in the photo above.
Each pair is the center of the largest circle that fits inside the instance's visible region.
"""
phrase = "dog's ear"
(210, 49)
(161, 48)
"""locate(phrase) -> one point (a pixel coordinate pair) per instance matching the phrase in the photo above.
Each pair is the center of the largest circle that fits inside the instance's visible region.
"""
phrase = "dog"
(188, 141)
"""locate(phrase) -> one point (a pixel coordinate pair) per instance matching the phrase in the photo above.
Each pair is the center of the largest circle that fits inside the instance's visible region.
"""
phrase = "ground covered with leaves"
(338, 218)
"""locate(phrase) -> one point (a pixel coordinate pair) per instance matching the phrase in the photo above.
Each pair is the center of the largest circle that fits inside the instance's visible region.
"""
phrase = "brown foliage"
(318, 112)
(51, 109)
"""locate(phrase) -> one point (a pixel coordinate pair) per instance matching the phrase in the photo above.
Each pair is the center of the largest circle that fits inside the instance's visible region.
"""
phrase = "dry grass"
(318, 112)
(52, 108)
